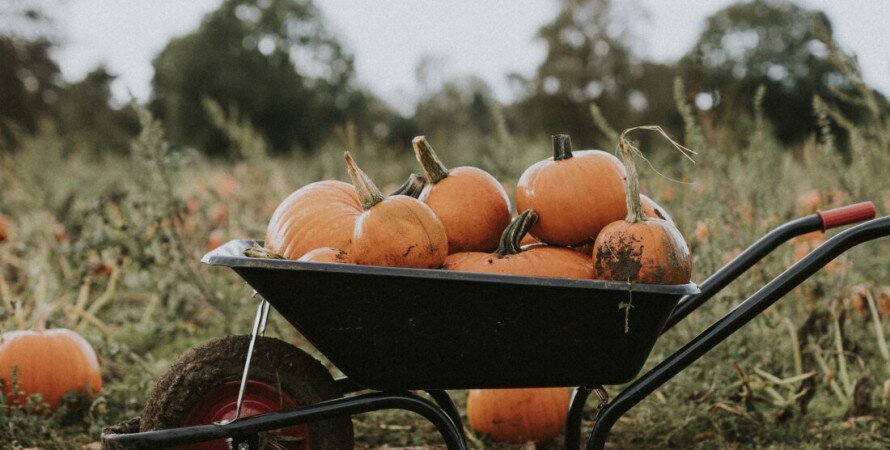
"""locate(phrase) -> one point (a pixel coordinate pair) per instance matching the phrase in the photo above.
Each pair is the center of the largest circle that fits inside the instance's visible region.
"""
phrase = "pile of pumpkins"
(581, 216)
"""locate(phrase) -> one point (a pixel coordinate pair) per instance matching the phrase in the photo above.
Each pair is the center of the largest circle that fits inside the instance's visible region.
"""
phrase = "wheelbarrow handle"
(823, 220)
(731, 322)
(847, 215)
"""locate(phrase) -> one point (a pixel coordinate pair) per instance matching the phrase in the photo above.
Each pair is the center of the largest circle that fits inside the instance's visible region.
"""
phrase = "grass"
(110, 246)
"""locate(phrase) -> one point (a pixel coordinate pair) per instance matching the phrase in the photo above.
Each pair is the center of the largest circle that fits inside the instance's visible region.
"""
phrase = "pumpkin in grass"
(539, 260)
(5, 223)
(638, 249)
(397, 231)
(518, 415)
(472, 205)
(48, 362)
(326, 255)
(575, 194)
(320, 214)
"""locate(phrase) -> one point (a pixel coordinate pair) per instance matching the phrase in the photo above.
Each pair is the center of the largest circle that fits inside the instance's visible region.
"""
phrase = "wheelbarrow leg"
(576, 413)
(447, 404)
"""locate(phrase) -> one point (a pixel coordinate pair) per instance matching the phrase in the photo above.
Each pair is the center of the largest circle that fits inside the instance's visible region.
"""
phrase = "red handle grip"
(845, 215)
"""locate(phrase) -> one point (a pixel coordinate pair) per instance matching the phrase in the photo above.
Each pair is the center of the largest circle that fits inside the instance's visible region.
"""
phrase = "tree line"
(277, 65)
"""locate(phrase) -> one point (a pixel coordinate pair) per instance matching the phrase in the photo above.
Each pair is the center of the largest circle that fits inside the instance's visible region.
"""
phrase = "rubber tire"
(274, 361)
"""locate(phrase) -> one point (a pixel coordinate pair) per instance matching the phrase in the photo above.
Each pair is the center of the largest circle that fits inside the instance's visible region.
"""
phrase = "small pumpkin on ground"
(575, 194)
(472, 205)
(326, 255)
(320, 214)
(398, 231)
(533, 260)
(5, 224)
(518, 415)
(638, 249)
(48, 362)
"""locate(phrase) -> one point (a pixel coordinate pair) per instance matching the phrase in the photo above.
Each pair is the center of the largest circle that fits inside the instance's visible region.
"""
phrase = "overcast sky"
(487, 38)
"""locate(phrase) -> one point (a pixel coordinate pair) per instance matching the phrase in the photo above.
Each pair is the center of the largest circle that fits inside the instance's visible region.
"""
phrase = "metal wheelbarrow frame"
(574, 303)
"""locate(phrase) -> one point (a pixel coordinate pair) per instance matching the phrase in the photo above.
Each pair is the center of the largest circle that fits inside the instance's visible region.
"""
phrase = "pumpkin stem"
(412, 187)
(562, 146)
(634, 207)
(430, 163)
(368, 193)
(628, 151)
(514, 233)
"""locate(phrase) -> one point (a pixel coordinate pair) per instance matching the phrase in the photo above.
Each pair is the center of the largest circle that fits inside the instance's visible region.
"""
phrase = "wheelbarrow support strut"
(726, 326)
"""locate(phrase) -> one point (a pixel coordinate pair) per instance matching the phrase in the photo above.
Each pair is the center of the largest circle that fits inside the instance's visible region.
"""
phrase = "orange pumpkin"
(638, 249)
(575, 194)
(472, 205)
(326, 255)
(653, 210)
(518, 415)
(533, 260)
(320, 214)
(4, 227)
(47, 362)
(397, 231)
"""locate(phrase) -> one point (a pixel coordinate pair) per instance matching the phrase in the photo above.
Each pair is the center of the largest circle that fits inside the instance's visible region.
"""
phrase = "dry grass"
(109, 246)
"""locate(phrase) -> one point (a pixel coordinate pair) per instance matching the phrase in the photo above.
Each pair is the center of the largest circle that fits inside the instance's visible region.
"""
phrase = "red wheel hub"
(221, 402)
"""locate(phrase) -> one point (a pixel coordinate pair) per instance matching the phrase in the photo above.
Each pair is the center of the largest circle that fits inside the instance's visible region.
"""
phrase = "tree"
(86, 118)
(273, 60)
(29, 84)
(776, 44)
(589, 60)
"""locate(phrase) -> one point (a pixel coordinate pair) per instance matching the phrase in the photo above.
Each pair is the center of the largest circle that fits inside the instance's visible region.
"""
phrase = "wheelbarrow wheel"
(202, 387)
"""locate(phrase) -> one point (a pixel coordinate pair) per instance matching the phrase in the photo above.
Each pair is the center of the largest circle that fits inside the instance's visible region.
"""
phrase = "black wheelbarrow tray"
(394, 330)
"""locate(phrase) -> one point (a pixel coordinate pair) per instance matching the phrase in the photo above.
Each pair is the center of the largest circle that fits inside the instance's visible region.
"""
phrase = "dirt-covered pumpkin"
(320, 214)
(518, 415)
(472, 205)
(639, 249)
(575, 194)
(532, 260)
(47, 362)
(397, 231)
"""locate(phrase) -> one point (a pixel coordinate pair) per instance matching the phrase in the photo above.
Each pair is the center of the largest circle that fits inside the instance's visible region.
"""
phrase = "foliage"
(776, 44)
(590, 59)
(788, 380)
(275, 61)
(29, 84)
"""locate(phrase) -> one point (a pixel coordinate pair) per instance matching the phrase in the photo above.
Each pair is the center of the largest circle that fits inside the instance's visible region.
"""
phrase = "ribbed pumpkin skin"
(400, 231)
(50, 362)
(642, 252)
(575, 197)
(653, 210)
(535, 260)
(320, 214)
(518, 415)
(472, 205)
(326, 255)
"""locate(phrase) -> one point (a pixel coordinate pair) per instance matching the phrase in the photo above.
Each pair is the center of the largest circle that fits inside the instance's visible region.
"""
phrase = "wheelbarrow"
(392, 331)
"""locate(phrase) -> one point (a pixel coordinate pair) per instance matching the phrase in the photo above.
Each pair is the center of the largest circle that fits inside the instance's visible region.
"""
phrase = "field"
(110, 246)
